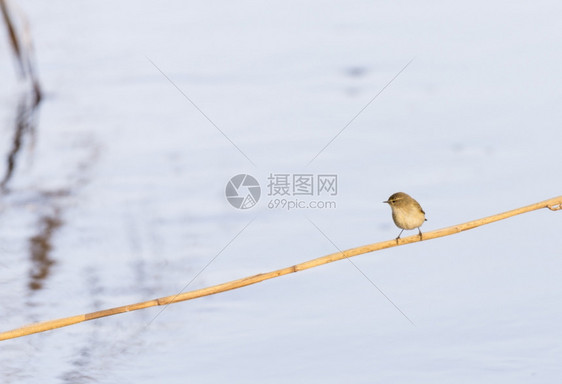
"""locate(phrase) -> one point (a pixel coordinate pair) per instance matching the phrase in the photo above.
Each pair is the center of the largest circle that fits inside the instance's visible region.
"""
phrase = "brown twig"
(552, 204)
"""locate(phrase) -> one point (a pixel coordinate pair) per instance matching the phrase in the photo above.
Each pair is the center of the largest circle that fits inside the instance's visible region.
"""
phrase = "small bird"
(407, 213)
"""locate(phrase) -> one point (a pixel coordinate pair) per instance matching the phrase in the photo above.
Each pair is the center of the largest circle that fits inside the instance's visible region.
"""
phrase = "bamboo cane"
(553, 204)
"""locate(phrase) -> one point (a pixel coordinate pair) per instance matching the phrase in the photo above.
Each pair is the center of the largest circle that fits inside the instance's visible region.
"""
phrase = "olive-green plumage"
(407, 213)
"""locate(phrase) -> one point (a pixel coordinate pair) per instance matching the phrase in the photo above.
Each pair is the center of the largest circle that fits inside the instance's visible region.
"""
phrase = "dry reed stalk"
(553, 204)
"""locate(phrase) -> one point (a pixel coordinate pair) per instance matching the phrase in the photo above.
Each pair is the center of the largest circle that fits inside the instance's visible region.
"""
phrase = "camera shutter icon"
(243, 191)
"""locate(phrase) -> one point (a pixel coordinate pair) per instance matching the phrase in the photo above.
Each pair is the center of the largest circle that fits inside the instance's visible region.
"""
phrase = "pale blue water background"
(125, 179)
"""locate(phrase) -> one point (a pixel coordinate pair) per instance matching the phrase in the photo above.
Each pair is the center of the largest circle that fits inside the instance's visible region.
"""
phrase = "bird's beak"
(385, 202)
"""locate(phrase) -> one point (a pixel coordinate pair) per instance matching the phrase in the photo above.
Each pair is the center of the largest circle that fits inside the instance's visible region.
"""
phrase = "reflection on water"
(40, 247)
(47, 205)
(25, 124)
(19, 36)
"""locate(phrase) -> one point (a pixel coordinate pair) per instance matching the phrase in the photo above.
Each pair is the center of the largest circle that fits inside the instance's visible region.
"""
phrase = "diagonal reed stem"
(553, 204)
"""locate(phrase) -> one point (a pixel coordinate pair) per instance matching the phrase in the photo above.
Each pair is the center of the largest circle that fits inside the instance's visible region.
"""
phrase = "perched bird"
(407, 213)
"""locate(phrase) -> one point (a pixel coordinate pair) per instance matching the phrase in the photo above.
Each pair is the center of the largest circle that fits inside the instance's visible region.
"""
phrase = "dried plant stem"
(552, 204)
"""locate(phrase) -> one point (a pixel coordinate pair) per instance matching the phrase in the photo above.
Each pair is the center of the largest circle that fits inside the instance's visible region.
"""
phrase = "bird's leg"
(419, 230)
(399, 235)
